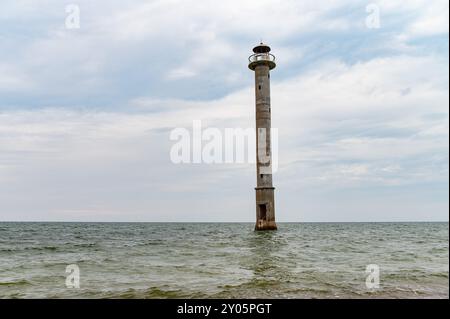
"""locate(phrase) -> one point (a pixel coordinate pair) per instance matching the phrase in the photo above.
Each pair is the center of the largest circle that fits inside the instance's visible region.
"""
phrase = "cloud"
(346, 124)
(12, 80)
(85, 114)
(343, 128)
(190, 49)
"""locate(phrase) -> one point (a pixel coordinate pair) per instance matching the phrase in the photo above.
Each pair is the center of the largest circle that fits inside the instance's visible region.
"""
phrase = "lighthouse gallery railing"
(261, 57)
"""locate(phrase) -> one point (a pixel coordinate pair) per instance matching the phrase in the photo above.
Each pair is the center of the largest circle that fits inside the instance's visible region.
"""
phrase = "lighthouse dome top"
(261, 48)
(261, 56)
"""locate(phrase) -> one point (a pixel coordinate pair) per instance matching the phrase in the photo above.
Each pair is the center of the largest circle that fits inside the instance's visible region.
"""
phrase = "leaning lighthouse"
(261, 62)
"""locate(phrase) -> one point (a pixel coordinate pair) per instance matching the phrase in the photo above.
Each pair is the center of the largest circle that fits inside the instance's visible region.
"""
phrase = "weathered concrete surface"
(265, 202)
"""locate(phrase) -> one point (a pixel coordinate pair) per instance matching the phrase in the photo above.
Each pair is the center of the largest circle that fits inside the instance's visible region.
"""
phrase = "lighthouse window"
(261, 175)
(268, 75)
(259, 87)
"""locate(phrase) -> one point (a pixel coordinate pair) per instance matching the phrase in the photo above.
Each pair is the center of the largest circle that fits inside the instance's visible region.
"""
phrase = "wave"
(20, 282)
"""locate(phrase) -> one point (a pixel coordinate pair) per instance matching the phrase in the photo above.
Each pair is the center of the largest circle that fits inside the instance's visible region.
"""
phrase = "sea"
(224, 260)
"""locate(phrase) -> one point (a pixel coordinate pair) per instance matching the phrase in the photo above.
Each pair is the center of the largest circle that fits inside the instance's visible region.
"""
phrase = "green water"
(167, 260)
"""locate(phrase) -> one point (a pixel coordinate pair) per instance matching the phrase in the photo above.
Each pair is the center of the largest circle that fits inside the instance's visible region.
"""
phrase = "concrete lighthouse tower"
(261, 62)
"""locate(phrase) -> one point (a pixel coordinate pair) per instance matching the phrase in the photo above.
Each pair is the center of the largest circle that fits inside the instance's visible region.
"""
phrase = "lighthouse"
(261, 62)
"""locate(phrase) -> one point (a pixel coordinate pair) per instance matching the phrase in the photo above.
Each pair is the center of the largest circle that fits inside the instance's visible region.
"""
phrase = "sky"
(91, 90)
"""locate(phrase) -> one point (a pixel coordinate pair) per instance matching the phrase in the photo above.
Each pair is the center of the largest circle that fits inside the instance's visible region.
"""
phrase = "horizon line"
(218, 222)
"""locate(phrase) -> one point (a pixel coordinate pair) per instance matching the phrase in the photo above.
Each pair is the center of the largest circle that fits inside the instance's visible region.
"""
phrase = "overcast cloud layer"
(86, 114)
